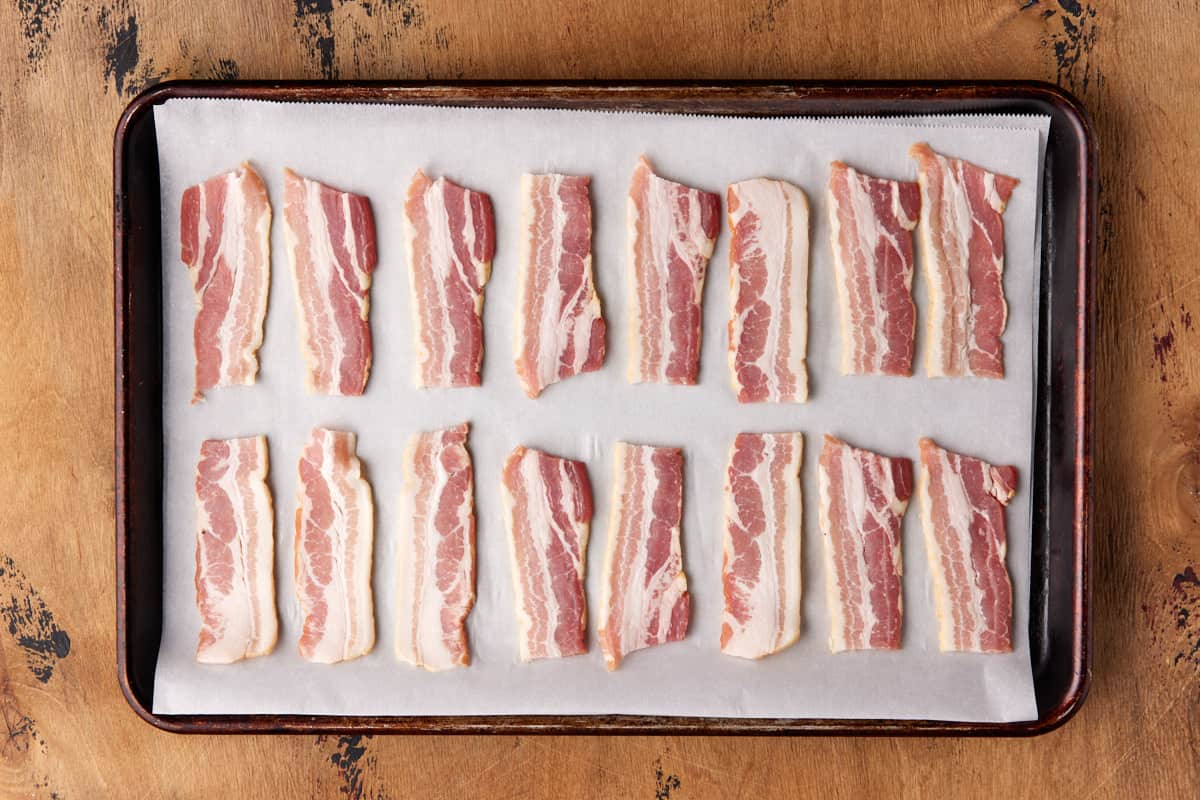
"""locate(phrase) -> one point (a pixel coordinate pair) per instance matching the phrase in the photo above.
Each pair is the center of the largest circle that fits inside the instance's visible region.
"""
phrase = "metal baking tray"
(1060, 616)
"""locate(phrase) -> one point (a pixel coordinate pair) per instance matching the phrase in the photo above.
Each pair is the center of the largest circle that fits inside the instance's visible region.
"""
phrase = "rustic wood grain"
(68, 67)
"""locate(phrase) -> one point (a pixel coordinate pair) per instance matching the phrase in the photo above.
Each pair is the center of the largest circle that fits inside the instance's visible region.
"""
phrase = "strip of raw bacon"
(450, 237)
(768, 291)
(225, 231)
(335, 531)
(962, 237)
(235, 551)
(761, 566)
(871, 222)
(672, 231)
(863, 499)
(547, 511)
(560, 328)
(644, 600)
(436, 577)
(331, 247)
(962, 511)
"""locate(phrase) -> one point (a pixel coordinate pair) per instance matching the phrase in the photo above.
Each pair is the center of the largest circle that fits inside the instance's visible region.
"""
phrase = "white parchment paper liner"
(374, 150)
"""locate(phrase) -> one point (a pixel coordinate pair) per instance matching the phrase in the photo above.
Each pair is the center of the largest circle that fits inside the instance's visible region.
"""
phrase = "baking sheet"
(374, 150)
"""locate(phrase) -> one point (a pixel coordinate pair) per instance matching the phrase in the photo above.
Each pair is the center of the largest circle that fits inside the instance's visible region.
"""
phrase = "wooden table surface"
(68, 67)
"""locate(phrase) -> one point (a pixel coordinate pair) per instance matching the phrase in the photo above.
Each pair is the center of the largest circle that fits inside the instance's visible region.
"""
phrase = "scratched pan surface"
(1060, 614)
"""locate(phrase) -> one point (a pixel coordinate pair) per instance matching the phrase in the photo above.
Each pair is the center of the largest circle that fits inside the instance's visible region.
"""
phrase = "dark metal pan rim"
(1065, 414)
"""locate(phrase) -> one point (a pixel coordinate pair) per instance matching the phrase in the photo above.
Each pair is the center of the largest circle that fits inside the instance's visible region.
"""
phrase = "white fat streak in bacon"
(420, 610)
(350, 623)
(869, 231)
(947, 261)
(323, 332)
(782, 239)
(775, 622)
(662, 225)
(538, 535)
(856, 503)
(957, 550)
(541, 529)
(239, 365)
(633, 329)
(233, 240)
(443, 263)
(634, 480)
(833, 588)
(202, 235)
(250, 625)
(527, 250)
(537, 274)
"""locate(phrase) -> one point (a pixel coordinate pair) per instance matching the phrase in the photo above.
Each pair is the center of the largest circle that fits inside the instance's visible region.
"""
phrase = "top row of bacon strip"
(225, 242)
(560, 328)
(962, 236)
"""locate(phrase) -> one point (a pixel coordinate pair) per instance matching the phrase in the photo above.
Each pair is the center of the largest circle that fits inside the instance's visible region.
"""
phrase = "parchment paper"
(374, 150)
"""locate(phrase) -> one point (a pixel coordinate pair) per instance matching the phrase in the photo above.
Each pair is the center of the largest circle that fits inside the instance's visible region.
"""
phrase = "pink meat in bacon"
(436, 545)
(768, 291)
(644, 597)
(560, 328)
(335, 527)
(331, 246)
(863, 499)
(871, 222)
(672, 231)
(450, 237)
(760, 569)
(235, 551)
(225, 228)
(962, 232)
(547, 511)
(963, 501)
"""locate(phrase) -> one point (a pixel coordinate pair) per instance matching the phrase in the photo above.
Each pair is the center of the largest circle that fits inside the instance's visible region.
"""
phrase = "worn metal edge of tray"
(826, 98)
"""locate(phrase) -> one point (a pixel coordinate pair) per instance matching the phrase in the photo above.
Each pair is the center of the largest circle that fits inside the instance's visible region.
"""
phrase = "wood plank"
(67, 68)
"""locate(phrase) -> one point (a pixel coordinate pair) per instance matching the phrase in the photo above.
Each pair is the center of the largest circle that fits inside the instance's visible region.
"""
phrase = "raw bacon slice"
(335, 523)
(871, 222)
(560, 329)
(450, 237)
(436, 583)
(225, 230)
(863, 499)
(548, 510)
(235, 551)
(962, 237)
(331, 247)
(644, 600)
(962, 511)
(760, 570)
(768, 291)
(672, 231)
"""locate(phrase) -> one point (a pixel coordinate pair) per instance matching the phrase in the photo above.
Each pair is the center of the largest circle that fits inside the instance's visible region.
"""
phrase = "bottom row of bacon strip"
(863, 498)
(547, 505)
